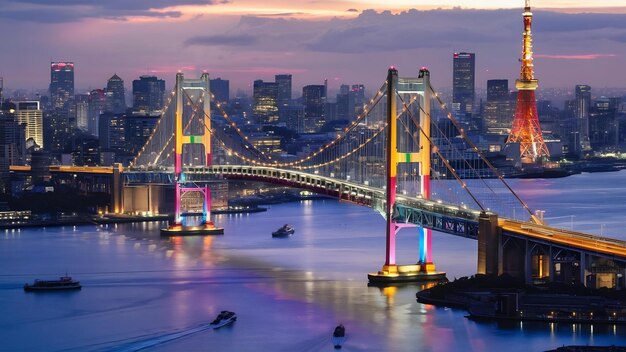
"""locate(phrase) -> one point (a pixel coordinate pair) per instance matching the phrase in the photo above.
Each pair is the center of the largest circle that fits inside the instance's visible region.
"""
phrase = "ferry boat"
(224, 318)
(286, 230)
(339, 336)
(63, 283)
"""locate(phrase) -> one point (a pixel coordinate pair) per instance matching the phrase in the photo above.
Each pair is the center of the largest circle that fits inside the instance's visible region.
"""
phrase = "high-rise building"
(138, 130)
(115, 95)
(497, 89)
(111, 132)
(57, 130)
(1, 92)
(220, 89)
(499, 108)
(265, 108)
(463, 78)
(148, 94)
(284, 95)
(344, 104)
(12, 143)
(314, 101)
(357, 94)
(29, 113)
(581, 110)
(82, 111)
(97, 106)
(61, 83)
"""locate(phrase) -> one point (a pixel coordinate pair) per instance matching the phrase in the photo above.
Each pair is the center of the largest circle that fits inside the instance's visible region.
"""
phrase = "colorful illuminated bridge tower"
(192, 136)
(424, 269)
(526, 130)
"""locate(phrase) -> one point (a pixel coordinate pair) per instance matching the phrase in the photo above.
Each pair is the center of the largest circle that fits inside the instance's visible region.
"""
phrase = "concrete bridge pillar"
(117, 190)
(488, 244)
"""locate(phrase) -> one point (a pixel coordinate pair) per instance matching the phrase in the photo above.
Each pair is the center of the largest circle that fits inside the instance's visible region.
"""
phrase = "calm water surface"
(141, 290)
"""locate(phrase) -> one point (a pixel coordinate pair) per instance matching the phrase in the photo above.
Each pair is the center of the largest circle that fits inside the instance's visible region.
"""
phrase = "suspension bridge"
(405, 156)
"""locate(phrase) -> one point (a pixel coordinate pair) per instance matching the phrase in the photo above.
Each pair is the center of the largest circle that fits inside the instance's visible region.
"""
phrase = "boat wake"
(155, 340)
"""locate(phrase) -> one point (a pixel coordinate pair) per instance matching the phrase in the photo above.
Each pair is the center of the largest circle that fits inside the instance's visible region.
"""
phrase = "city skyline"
(343, 46)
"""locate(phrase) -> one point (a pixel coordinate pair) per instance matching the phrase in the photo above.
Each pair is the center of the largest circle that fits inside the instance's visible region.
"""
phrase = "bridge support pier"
(489, 259)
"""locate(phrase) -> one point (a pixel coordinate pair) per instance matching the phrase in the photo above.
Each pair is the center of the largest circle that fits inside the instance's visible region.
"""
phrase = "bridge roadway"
(432, 214)
(438, 216)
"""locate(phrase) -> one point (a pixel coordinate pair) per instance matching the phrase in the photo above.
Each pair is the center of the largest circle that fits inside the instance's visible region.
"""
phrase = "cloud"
(74, 10)
(352, 10)
(574, 57)
(215, 40)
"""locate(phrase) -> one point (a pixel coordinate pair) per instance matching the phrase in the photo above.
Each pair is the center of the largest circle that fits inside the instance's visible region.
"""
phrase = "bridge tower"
(424, 269)
(526, 130)
(192, 96)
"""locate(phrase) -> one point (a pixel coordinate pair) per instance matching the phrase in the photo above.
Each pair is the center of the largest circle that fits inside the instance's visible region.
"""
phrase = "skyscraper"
(29, 113)
(148, 94)
(497, 89)
(115, 95)
(463, 83)
(499, 108)
(57, 130)
(82, 111)
(97, 106)
(61, 83)
(265, 108)
(284, 95)
(345, 105)
(220, 89)
(357, 94)
(581, 110)
(314, 100)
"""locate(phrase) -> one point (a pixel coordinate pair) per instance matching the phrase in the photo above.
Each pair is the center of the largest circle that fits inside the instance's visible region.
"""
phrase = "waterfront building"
(463, 79)
(148, 94)
(61, 83)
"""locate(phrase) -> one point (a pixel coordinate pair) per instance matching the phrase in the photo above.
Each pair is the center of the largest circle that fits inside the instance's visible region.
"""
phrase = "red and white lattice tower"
(526, 130)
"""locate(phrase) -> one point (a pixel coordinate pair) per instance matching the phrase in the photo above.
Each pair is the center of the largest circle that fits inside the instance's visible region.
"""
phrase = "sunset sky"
(344, 41)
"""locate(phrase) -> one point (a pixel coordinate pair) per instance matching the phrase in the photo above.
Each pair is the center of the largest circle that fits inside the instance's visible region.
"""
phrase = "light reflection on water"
(289, 293)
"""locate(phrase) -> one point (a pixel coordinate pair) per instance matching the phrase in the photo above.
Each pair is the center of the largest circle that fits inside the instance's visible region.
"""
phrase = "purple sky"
(343, 42)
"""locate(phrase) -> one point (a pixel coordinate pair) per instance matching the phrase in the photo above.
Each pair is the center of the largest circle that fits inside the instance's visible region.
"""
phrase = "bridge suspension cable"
(156, 128)
(438, 152)
(481, 155)
(366, 110)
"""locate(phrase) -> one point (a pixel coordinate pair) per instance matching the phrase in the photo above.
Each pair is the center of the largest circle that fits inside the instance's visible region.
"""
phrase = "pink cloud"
(575, 57)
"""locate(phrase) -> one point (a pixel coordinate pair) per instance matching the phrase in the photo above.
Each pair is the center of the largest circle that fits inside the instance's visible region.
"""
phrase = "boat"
(224, 318)
(286, 230)
(339, 336)
(62, 284)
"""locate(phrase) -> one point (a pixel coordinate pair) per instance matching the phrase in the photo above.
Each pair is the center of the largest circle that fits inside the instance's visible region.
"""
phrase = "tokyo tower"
(526, 130)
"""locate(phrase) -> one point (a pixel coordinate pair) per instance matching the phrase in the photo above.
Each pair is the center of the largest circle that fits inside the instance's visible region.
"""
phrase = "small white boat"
(224, 318)
(339, 336)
